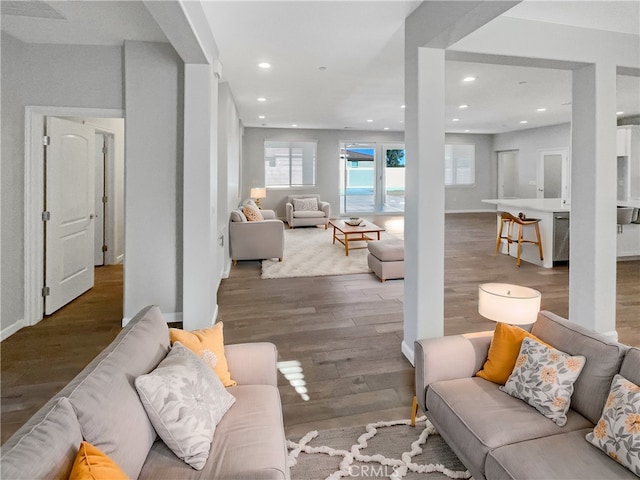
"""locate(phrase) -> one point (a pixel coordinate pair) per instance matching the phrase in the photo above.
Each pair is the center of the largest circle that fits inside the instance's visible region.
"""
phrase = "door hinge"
(46, 140)
(104, 199)
(104, 248)
(46, 291)
(104, 150)
(46, 216)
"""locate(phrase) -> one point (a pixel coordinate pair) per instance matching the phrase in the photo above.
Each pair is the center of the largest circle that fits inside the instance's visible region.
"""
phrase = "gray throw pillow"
(184, 401)
(305, 204)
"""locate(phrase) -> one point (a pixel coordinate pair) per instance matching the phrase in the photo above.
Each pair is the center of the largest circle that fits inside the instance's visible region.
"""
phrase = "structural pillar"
(424, 210)
(199, 198)
(592, 262)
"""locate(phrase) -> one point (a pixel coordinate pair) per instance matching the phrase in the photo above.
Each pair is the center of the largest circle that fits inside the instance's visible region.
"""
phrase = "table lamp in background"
(257, 194)
(512, 304)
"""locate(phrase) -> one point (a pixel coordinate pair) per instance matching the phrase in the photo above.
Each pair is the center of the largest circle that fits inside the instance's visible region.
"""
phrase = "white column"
(424, 210)
(200, 190)
(592, 263)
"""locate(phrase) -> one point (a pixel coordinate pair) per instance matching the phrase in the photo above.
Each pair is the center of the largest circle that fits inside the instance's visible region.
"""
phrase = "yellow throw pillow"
(208, 344)
(503, 352)
(252, 213)
(92, 464)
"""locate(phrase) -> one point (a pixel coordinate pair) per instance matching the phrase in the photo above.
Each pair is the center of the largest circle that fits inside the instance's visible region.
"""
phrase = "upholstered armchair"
(255, 240)
(307, 210)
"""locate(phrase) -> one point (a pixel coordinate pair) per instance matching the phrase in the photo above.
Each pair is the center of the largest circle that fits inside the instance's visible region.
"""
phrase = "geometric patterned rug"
(383, 450)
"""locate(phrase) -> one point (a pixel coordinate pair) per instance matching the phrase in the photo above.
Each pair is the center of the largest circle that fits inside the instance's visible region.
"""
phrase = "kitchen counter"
(540, 204)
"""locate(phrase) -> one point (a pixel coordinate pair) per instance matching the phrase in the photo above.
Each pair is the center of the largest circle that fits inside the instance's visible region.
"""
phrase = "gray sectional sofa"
(497, 436)
(101, 405)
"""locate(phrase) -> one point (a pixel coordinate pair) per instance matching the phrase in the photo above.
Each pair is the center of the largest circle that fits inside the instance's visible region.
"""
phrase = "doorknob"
(91, 215)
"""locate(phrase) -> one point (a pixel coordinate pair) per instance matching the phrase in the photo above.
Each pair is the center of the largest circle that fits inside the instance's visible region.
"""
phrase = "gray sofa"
(101, 405)
(307, 218)
(255, 240)
(497, 436)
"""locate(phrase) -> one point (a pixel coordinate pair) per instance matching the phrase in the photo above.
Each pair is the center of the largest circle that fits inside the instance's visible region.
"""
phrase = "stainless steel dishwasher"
(561, 237)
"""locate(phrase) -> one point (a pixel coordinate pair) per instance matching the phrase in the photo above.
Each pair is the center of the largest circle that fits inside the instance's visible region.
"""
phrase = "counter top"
(540, 204)
(633, 202)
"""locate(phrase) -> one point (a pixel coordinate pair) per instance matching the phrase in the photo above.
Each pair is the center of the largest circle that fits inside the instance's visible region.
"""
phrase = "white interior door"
(508, 175)
(551, 174)
(69, 199)
(99, 195)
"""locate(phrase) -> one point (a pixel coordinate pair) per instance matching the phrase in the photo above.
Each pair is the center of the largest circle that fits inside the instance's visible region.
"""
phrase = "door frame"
(564, 183)
(34, 199)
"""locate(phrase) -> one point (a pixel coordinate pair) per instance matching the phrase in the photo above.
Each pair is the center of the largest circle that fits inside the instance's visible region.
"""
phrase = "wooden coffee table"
(345, 234)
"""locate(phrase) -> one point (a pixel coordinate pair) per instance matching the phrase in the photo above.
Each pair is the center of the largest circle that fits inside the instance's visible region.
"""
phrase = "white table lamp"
(258, 193)
(512, 304)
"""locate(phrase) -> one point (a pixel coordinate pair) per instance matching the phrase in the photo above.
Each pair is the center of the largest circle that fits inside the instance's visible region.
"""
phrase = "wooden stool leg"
(539, 240)
(498, 240)
(414, 411)
(509, 230)
(519, 244)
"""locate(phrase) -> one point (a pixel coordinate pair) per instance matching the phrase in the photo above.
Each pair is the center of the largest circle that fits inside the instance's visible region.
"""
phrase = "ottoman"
(386, 259)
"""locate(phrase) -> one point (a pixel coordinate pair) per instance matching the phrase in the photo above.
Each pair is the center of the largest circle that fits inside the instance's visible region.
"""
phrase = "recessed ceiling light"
(541, 109)
(524, 121)
(369, 121)
(469, 79)
(455, 119)
(463, 106)
(294, 125)
(403, 106)
(401, 121)
(261, 116)
(619, 113)
(386, 128)
(264, 65)
(467, 131)
(262, 99)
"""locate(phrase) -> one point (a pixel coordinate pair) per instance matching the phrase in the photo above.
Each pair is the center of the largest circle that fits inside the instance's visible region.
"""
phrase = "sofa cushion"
(208, 344)
(185, 401)
(387, 251)
(52, 436)
(630, 368)
(249, 443)
(305, 204)
(105, 399)
(252, 213)
(565, 456)
(91, 463)
(617, 433)
(308, 214)
(503, 352)
(603, 355)
(471, 414)
(544, 377)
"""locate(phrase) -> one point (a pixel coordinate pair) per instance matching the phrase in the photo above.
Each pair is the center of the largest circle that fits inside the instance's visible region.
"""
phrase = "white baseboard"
(13, 328)
(479, 210)
(408, 352)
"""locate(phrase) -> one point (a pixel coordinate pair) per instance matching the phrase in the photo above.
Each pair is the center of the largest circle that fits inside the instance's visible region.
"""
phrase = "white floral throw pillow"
(544, 377)
(184, 401)
(617, 433)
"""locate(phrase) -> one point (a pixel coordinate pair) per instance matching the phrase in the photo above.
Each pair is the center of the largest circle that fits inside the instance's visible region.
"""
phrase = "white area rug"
(309, 252)
(393, 450)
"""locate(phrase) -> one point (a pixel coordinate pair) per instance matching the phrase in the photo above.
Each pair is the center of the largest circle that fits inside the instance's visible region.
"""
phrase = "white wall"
(529, 142)
(327, 161)
(465, 198)
(153, 210)
(44, 75)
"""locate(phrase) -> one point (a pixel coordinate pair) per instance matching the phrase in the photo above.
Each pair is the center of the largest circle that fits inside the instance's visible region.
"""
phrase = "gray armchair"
(307, 217)
(255, 240)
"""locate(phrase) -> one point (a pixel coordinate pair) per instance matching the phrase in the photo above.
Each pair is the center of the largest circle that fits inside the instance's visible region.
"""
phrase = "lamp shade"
(259, 192)
(512, 304)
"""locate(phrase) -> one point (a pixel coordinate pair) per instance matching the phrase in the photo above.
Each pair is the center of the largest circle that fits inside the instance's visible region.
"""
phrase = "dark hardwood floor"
(344, 330)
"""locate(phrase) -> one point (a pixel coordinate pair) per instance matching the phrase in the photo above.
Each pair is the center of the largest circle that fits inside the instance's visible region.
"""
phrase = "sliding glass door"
(371, 178)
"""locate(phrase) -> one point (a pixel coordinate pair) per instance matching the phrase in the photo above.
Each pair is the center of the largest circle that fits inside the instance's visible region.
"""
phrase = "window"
(459, 164)
(289, 164)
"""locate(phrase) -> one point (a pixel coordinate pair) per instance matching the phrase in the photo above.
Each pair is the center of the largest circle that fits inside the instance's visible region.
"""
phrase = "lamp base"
(258, 203)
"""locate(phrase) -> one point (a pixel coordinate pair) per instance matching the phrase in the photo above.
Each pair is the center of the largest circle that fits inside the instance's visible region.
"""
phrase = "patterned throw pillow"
(252, 213)
(544, 377)
(305, 204)
(617, 433)
(185, 401)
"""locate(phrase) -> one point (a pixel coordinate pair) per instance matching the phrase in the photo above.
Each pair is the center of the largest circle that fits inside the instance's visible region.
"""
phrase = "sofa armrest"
(326, 208)
(448, 358)
(289, 213)
(268, 214)
(253, 363)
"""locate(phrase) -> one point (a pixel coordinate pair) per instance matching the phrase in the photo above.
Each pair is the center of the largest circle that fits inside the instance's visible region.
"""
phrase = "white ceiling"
(359, 43)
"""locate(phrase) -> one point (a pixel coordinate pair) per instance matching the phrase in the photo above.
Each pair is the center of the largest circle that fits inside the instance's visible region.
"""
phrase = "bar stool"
(521, 221)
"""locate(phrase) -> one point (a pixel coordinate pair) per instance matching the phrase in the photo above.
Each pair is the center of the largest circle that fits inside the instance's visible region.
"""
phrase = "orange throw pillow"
(503, 352)
(92, 464)
(208, 344)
